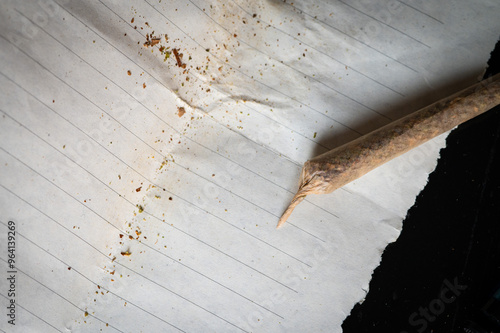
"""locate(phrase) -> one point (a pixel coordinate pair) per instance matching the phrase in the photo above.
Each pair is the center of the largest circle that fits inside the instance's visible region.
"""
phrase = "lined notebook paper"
(149, 148)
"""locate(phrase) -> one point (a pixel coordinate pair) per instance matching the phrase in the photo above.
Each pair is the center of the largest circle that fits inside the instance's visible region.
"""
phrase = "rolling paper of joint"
(338, 167)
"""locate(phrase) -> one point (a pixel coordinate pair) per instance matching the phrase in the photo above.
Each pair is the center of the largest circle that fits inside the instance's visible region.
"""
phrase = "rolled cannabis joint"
(336, 168)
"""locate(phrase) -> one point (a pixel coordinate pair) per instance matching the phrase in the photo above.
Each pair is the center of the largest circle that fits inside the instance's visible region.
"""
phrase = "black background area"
(450, 236)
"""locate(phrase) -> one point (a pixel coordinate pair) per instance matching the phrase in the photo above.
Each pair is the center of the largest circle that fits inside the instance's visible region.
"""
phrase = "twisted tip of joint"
(295, 201)
(281, 221)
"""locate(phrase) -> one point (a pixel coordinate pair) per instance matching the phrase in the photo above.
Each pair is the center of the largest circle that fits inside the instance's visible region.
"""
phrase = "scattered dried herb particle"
(151, 41)
(178, 57)
(129, 73)
(181, 111)
(138, 189)
(141, 209)
(125, 253)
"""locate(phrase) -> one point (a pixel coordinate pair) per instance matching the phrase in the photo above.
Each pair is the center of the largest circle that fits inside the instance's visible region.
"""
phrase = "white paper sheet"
(130, 218)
